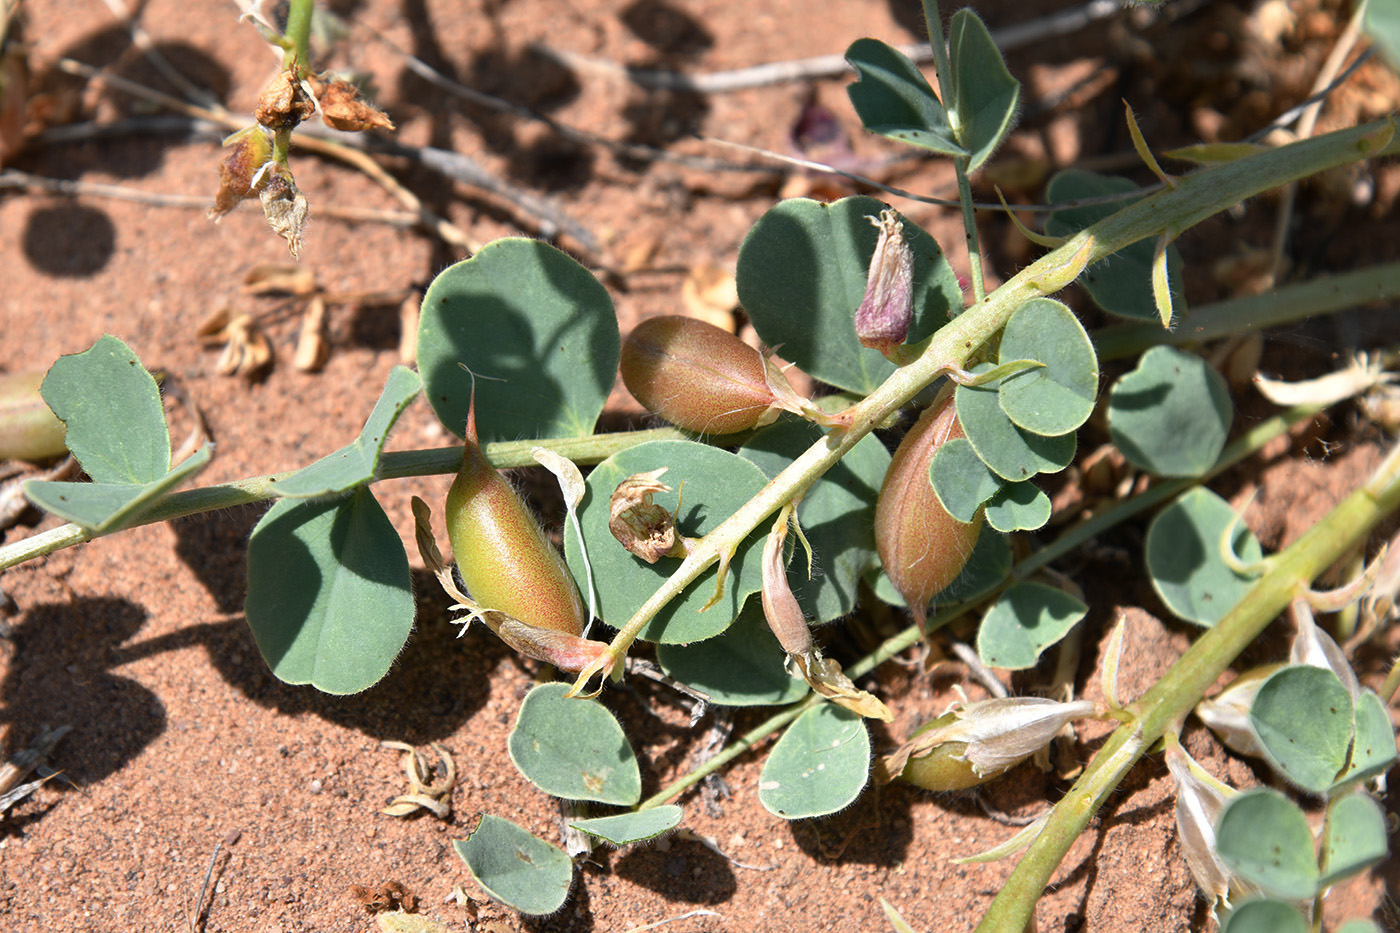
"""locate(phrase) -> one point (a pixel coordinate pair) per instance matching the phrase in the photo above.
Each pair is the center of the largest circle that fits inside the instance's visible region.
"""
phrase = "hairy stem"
(1174, 696)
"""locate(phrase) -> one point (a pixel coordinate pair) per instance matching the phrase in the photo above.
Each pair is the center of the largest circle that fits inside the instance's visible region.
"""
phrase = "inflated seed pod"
(697, 376)
(922, 547)
(28, 429)
(502, 554)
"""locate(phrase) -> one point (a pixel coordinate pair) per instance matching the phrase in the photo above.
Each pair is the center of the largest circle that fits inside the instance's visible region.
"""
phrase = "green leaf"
(356, 463)
(1027, 619)
(626, 828)
(574, 748)
(1058, 397)
(893, 98)
(1171, 414)
(1122, 283)
(961, 480)
(801, 276)
(1018, 507)
(984, 96)
(712, 484)
(1359, 926)
(1355, 838)
(105, 507)
(837, 515)
(1011, 452)
(1265, 916)
(819, 766)
(1184, 559)
(1383, 25)
(536, 328)
(1302, 716)
(1265, 839)
(112, 411)
(742, 666)
(330, 599)
(516, 868)
(1373, 742)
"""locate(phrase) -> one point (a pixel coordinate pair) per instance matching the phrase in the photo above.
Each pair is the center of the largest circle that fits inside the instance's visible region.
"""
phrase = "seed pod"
(28, 429)
(504, 558)
(943, 768)
(922, 547)
(697, 376)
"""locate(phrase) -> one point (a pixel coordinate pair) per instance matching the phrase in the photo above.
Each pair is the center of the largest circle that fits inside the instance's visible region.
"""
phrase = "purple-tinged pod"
(697, 376)
(28, 429)
(923, 548)
(502, 554)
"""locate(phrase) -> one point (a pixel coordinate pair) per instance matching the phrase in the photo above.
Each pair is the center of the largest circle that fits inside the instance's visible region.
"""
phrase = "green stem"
(503, 455)
(1195, 198)
(933, 20)
(1177, 693)
(298, 37)
(1322, 295)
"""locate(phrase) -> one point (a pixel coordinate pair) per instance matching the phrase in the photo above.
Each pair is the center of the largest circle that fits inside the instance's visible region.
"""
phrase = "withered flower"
(644, 528)
(242, 172)
(882, 320)
(342, 108)
(284, 102)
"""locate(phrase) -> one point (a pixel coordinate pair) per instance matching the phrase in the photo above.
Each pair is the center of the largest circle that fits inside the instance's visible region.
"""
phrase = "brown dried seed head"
(284, 102)
(342, 108)
(285, 209)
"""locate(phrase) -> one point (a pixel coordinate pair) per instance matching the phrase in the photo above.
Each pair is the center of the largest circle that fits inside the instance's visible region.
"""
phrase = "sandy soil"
(183, 741)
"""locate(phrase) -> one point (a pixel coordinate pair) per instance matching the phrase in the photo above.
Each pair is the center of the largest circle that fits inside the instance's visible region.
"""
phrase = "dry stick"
(823, 66)
(1307, 122)
(13, 178)
(204, 889)
(325, 147)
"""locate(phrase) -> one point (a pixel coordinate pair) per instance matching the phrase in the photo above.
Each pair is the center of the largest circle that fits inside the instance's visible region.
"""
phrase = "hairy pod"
(697, 376)
(504, 558)
(922, 547)
(28, 429)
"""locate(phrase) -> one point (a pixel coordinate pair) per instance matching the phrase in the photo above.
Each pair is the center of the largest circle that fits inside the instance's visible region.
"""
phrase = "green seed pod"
(945, 768)
(504, 558)
(922, 547)
(28, 429)
(697, 376)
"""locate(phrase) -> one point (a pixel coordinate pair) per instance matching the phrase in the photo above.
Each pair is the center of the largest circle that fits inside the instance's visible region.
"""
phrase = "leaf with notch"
(537, 329)
(893, 98)
(112, 412)
(1018, 507)
(1171, 414)
(984, 95)
(1184, 560)
(626, 828)
(1302, 716)
(574, 748)
(516, 868)
(819, 766)
(355, 464)
(1058, 397)
(1027, 619)
(330, 599)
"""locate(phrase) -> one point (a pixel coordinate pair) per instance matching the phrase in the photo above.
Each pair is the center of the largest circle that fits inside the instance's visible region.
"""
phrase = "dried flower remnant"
(1200, 798)
(244, 171)
(284, 103)
(1227, 713)
(785, 618)
(883, 318)
(644, 528)
(285, 208)
(342, 108)
(978, 741)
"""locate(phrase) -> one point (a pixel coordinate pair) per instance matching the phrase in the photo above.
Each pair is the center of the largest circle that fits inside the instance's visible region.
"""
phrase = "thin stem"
(398, 465)
(1174, 696)
(298, 36)
(974, 249)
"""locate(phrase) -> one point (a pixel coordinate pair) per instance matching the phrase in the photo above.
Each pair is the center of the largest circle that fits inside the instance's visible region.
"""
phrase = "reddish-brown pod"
(922, 547)
(502, 554)
(697, 376)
